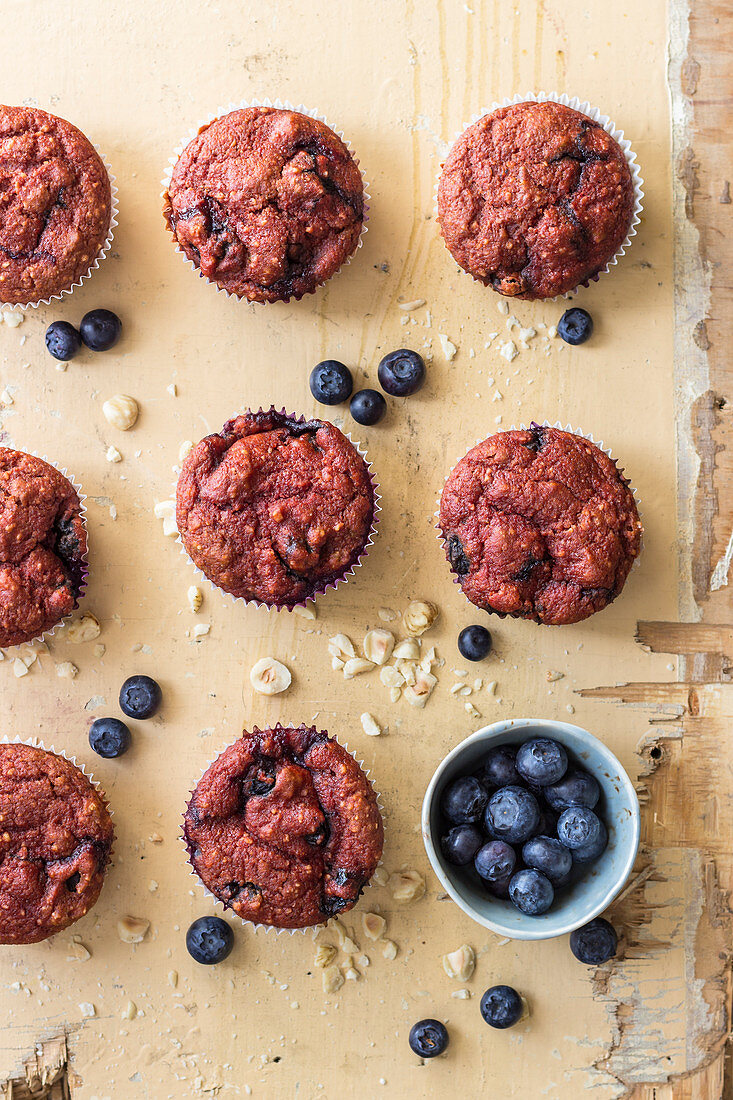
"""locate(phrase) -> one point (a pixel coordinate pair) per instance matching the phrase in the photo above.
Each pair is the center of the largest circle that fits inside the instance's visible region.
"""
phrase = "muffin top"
(535, 199)
(284, 828)
(539, 524)
(42, 546)
(273, 508)
(55, 843)
(55, 204)
(267, 203)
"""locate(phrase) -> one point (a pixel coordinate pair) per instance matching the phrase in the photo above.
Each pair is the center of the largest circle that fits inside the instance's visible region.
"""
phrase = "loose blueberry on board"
(109, 737)
(460, 844)
(548, 855)
(542, 761)
(62, 340)
(575, 326)
(531, 892)
(464, 800)
(331, 382)
(594, 943)
(474, 643)
(591, 851)
(578, 827)
(367, 407)
(401, 373)
(428, 1038)
(100, 329)
(576, 788)
(209, 940)
(140, 697)
(501, 1006)
(512, 814)
(499, 767)
(495, 861)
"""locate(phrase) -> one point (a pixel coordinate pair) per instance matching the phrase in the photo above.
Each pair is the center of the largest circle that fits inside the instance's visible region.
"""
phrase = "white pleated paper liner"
(313, 929)
(279, 105)
(44, 635)
(563, 428)
(334, 582)
(101, 253)
(584, 108)
(37, 743)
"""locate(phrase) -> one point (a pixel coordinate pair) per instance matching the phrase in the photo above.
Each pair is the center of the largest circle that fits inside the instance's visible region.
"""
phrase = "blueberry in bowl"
(464, 800)
(461, 843)
(542, 761)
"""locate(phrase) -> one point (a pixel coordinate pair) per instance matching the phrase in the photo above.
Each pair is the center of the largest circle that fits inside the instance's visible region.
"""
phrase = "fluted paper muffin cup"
(21, 307)
(563, 428)
(314, 929)
(334, 582)
(585, 108)
(46, 634)
(278, 105)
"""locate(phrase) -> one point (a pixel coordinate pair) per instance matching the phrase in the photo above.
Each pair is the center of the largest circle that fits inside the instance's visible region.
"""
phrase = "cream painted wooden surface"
(399, 80)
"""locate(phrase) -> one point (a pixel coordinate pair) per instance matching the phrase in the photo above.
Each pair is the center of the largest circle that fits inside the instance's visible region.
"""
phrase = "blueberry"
(428, 1038)
(140, 697)
(100, 329)
(547, 824)
(542, 761)
(474, 643)
(531, 892)
(367, 407)
(62, 340)
(109, 737)
(498, 889)
(464, 800)
(501, 1006)
(460, 844)
(576, 788)
(547, 854)
(495, 861)
(578, 827)
(331, 382)
(588, 852)
(401, 373)
(595, 942)
(575, 326)
(209, 940)
(512, 814)
(499, 767)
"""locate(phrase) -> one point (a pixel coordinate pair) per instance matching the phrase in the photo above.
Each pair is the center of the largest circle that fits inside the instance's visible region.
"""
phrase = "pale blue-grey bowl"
(600, 882)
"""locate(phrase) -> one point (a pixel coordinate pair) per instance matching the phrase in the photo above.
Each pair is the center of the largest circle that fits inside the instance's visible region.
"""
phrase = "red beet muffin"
(274, 508)
(267, 203)
(535, 199)
(539, 524)
(43, 544)
(55, 205)
(55, 841)
(284, 828)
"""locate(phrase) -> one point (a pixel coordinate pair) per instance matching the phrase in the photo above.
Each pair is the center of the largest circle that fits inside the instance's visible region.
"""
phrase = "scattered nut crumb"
(173, 978)
(166, 510)
(132, 929)
(355, 666)
(325, 954)
(200, 630)
(447, 346)
(78, 951)
(113, 455)
(341, 646)
(408, 650)
(87, 1009)
(370, 726)
(84, 629)
(373, 925)
(270, 677)
(461, 994)
(121, 411)
(19, 668)
(387, 615)
(408, 306)
(185, 449)
(417, 694)
(461, 963)
(378, 646)
(306, 611)
(419, 616)
(552, 675)
(380, 877)
(389, 950)
(333, 979)
(406, 885)
(66, 670)
(195, 598)
(129, 1012)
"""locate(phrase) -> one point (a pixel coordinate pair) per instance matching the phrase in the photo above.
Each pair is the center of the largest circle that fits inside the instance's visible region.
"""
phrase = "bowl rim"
(492, 732)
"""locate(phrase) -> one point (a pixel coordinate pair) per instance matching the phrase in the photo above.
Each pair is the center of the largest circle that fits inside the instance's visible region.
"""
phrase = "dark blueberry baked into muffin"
(55, 843)
(55, 204)
(274, 508)
(266, 203)
(535, 199)
(43, 543)
(539, 524)
(284, 828)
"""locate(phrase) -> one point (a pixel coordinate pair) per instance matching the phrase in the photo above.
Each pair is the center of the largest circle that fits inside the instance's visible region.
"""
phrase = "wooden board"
(400, 80)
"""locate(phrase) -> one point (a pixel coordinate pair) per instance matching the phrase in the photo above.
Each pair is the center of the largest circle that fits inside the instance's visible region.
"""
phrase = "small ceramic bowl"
(600, 882)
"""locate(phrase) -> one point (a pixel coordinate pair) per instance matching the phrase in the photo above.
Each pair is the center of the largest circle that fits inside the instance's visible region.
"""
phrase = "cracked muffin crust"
(43, 543)
(56, 837)
(284, 827)
(55, 204)
(274, 508)
(267, 203)
(534, 199)
(539, 524)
